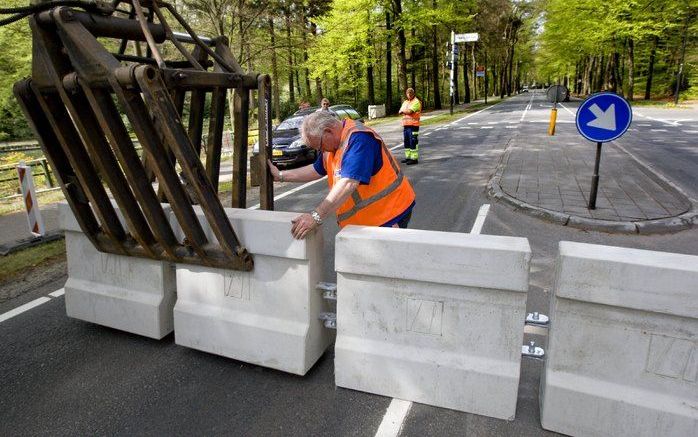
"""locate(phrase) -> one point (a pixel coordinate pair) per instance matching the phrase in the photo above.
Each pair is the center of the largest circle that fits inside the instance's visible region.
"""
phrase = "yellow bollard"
(553, 119)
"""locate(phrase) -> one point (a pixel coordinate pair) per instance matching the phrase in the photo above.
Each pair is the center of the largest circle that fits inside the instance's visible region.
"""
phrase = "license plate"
(277, 153)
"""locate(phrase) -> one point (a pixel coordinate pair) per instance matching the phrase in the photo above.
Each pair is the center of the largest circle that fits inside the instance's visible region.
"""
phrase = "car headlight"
(296, 144)
(255, 147)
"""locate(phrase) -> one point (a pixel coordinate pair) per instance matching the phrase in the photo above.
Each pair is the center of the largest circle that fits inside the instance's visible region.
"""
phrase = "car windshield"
(291, 123)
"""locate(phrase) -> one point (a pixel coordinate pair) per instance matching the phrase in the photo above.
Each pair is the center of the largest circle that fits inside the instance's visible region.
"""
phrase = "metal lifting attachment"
(75, 101)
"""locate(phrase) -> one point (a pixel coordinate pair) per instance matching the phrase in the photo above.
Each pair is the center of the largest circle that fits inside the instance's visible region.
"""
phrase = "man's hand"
(302, 224)
(274, 171)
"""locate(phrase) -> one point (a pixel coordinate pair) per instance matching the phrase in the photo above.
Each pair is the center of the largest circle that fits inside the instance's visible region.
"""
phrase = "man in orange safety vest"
(411, 111)
(366, 184)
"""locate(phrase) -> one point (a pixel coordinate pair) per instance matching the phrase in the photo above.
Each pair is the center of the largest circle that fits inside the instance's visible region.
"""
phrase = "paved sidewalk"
(553, 173)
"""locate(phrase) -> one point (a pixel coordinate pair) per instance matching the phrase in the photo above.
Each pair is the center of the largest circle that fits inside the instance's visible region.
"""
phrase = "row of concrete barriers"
(431, 317)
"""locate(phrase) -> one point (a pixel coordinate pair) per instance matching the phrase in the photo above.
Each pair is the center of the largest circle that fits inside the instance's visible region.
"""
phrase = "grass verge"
(16, 263)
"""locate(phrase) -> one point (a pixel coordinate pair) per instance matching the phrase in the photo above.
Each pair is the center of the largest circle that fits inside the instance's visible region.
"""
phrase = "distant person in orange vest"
(411, 111)
(367, 186)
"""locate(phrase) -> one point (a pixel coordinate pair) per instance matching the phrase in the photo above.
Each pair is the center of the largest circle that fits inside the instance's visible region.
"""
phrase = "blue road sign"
(604, 117)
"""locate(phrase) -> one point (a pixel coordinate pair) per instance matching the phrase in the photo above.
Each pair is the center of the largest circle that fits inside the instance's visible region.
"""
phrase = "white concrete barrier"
(268, 316)
(622, 356)
(432, 317)
(376, 111)
(131, 294)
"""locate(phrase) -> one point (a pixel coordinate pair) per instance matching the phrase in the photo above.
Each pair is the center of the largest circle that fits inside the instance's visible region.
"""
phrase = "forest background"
(365, 52)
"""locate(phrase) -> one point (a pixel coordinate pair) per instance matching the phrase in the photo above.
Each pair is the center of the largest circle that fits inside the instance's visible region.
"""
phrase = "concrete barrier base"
(432, 317)
(622, 355)
(268, 316)
(130, 294)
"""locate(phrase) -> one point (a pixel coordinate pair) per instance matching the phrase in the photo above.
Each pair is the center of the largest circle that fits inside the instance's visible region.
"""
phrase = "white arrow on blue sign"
(604, 117)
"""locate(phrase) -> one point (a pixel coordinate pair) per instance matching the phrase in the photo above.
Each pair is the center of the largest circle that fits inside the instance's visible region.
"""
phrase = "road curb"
(680, 222)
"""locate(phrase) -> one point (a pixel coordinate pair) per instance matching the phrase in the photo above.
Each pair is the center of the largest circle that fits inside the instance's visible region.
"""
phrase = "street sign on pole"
(453, 67)
(467, 37)
(480, 71)
(603, 117)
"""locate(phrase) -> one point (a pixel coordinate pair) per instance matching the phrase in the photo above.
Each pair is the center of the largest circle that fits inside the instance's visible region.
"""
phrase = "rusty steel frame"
(74, 102)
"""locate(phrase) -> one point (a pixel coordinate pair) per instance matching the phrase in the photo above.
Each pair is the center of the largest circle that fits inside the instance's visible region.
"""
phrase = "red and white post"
(26, 183)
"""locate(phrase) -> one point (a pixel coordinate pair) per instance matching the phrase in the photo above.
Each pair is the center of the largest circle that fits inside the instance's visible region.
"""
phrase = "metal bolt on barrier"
(329, 290)
(330, 320)
(538, 319)
(532, 351)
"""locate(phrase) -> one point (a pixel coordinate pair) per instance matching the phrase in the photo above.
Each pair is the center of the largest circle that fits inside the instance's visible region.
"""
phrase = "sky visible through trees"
(364, 52)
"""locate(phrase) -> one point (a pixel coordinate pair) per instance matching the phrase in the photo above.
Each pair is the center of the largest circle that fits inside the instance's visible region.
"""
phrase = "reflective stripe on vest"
(404, 198)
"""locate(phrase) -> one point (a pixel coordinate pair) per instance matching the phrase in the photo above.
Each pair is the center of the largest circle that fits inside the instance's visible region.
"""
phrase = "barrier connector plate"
(329, 290)
(532, 351)
(538, 319)
(330, 320)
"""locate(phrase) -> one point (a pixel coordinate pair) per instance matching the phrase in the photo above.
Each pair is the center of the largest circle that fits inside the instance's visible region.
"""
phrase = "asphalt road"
(66, 377)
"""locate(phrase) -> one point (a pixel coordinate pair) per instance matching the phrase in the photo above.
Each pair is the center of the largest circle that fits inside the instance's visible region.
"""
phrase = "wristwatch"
(316, 216)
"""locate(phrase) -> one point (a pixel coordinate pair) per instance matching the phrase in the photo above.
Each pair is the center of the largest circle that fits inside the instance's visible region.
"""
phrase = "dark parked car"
(288, 149)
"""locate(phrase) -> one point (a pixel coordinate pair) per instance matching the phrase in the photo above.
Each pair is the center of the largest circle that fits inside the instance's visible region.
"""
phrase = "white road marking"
(472, 123)
(644, 125)
(690, 131)
(492, 122)
(486, 127)
(512, 127)
(426, 134)
(530, 102)
(658, 130)
(567, 109)
(57, 293)
(680, 141)
(670, 123)
(480, 219)
(26, 307)
(394, 417)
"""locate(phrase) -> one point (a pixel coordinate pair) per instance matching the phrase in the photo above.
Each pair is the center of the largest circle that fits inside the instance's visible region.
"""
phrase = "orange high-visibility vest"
(388, 193)
(413, 118)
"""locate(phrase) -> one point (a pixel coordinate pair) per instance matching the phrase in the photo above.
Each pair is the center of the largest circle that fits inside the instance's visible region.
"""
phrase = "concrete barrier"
(268, 316)
(432, 317)
(376, 111)
(622, 357)
(131, 294)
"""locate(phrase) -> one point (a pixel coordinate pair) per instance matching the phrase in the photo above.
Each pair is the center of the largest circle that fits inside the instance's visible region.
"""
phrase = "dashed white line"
(394, 417)
(480, 219)
(57, 293)
(26, 307)
(486, 127)
(511, 127)
(690, 131)
(658, 130)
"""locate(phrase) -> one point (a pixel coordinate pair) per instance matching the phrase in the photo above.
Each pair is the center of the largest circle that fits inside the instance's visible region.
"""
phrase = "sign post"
(457, 38)
(601, 118)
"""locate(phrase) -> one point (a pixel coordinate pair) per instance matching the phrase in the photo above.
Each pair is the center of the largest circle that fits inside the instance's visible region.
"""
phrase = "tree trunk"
(511, 66)
(614, 73)
(369, 66)
(650, 72)
(388, 67)
(474, 74)
(401, 44)
(631, 68)
(276, 100)
(291, 95)
(466, 83)
(435, 63)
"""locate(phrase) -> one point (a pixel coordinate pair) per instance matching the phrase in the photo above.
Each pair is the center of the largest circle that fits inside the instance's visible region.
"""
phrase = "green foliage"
(15, 63)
